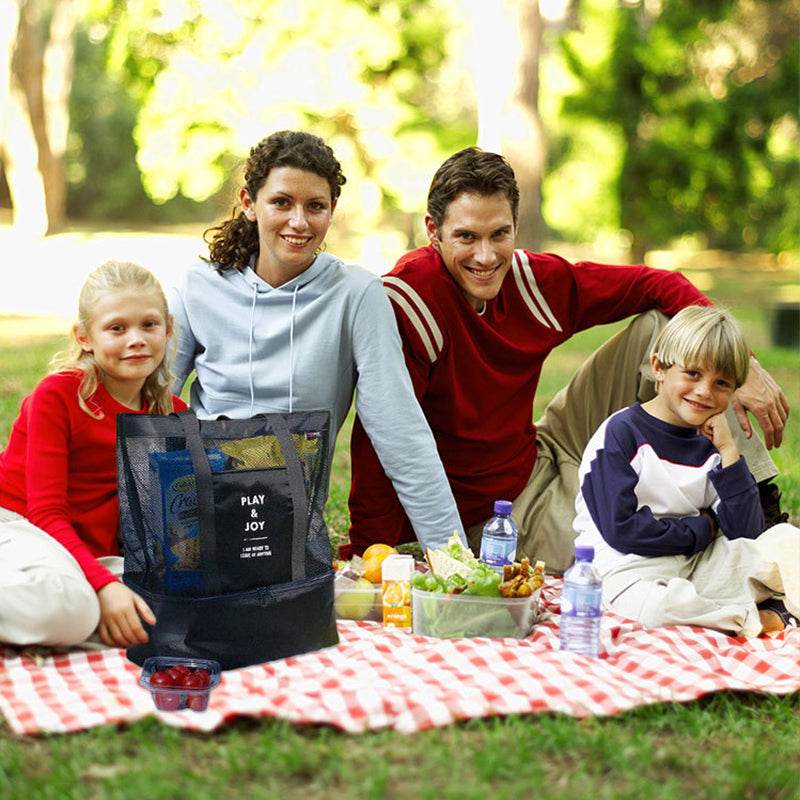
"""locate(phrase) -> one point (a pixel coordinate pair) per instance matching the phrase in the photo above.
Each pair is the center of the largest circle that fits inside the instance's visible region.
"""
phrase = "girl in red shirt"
(59, 551)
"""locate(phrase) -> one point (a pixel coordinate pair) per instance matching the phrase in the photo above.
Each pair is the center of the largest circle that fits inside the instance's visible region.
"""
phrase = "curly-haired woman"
(271, 323)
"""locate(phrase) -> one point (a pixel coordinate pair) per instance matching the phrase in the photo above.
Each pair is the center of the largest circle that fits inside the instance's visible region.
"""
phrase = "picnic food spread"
(455, 570)
(453, 594)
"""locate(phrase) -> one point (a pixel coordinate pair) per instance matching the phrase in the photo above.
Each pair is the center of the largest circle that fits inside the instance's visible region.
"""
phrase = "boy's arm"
(738, 508)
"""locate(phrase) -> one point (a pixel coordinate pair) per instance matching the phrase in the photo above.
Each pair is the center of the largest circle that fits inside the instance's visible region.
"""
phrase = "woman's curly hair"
(232, 243)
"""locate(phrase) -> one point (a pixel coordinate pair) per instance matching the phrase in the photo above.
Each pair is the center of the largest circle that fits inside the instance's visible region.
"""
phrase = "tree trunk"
(9, 24)
(59, 61)
(507, 37)
(38, 115)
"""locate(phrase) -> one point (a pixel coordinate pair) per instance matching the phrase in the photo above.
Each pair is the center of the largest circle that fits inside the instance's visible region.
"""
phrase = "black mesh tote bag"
(223, 534)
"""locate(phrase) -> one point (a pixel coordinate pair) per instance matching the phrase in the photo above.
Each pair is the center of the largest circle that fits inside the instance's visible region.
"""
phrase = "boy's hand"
(120, 612)
(704, 512)
(716, 429)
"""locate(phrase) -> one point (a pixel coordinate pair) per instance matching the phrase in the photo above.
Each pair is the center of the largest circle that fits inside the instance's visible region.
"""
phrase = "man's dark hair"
(471, 170)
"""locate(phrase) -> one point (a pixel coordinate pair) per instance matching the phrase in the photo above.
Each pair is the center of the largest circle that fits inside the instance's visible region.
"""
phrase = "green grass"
(725, 745)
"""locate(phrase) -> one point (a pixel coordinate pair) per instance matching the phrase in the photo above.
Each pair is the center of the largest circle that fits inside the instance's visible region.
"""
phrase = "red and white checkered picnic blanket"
(376, 678)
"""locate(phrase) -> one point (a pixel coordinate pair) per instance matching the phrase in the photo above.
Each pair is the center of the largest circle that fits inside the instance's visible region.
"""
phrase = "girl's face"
(688, 396)
(128, 335)
(293, 210)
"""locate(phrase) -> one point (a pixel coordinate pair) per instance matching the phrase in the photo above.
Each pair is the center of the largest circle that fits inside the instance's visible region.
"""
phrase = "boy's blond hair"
(114, 276)
(699, 335)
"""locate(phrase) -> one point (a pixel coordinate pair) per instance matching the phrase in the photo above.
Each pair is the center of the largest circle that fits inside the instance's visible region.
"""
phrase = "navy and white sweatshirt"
(643, 483)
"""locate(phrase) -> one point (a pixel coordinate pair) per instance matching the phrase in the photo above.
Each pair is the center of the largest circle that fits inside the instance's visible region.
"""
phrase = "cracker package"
(174, 486)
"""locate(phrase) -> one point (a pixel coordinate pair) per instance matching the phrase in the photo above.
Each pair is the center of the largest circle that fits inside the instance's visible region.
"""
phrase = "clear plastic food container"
(357, 599)
(178, 683)
(453, 616)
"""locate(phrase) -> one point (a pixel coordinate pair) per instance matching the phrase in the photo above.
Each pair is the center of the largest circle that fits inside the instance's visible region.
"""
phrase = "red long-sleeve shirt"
(476, 375)
(59, 470)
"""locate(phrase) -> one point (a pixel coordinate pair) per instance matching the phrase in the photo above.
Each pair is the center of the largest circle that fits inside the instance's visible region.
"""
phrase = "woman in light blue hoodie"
(272, 324)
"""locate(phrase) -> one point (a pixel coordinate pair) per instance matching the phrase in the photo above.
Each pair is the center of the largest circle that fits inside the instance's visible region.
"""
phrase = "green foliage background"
(699, 104)
(666, 122)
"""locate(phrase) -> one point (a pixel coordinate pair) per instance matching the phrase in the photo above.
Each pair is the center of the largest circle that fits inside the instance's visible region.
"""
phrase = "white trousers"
(45, 598)
(716, 588)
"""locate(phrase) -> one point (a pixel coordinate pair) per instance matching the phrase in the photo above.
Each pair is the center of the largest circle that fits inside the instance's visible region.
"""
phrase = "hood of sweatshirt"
(257, 347)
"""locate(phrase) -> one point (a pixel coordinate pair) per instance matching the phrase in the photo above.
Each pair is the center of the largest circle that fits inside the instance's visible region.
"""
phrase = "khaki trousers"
(615, 376)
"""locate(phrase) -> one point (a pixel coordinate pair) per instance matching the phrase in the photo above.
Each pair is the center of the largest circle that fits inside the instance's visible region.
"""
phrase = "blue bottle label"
(497, 552)
(580, 602)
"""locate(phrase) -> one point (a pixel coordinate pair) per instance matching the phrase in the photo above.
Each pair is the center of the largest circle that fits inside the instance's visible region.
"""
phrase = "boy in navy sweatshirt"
(669, 504)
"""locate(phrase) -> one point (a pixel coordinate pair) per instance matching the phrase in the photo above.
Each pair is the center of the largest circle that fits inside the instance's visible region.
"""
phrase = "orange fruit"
(379, 549)
(373, 568)
(373, 559)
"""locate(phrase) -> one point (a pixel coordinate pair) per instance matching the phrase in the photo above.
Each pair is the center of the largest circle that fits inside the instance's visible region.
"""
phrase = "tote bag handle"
(299, 498)
(205, 497)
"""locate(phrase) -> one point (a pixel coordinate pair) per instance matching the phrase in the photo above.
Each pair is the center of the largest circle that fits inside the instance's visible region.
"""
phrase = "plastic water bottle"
(580, 605)
(499, 538)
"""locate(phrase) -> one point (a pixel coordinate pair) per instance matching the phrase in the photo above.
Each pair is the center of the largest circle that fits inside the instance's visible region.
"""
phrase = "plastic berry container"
(179, 683)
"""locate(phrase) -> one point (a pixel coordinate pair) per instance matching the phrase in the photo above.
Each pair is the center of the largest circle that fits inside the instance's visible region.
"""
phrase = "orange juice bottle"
(396, 591)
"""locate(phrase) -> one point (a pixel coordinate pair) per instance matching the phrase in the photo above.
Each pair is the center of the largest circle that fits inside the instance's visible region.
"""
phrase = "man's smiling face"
(476, 243)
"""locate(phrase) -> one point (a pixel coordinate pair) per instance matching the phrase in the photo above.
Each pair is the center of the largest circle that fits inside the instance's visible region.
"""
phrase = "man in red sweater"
(478, 318)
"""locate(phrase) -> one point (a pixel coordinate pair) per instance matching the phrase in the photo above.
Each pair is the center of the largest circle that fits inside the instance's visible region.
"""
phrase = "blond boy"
(669, 504)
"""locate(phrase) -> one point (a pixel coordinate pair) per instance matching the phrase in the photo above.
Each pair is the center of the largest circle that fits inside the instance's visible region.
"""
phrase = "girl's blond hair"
(114, 276)
(699, 335)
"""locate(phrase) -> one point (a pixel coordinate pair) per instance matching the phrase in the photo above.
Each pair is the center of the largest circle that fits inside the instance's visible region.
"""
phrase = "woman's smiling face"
(293, 210)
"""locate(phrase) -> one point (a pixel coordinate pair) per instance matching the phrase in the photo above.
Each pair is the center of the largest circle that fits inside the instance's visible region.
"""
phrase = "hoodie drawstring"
(250, 353)
(291, 350)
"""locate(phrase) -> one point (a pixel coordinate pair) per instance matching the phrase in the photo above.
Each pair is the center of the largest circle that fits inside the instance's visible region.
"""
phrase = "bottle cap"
(503, 506)
(584, 552)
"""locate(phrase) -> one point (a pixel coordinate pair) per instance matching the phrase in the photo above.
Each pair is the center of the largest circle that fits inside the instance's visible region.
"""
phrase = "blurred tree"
(703, 97)
(9, 22)
(35, 111)
(507, 43)
(215, 77)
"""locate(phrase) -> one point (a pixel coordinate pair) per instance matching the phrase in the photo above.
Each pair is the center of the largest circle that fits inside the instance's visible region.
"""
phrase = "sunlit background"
(655, 130)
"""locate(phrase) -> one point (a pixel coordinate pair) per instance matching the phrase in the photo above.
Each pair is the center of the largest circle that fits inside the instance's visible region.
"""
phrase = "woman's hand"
(121, 614)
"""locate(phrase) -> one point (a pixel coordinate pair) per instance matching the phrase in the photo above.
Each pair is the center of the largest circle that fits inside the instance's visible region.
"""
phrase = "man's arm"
(392, 418)
(376, 514)
(670, 292)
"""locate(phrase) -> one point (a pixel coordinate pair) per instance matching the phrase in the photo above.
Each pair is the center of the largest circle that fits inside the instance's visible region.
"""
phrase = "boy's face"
(688, 396)
(476, 243)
